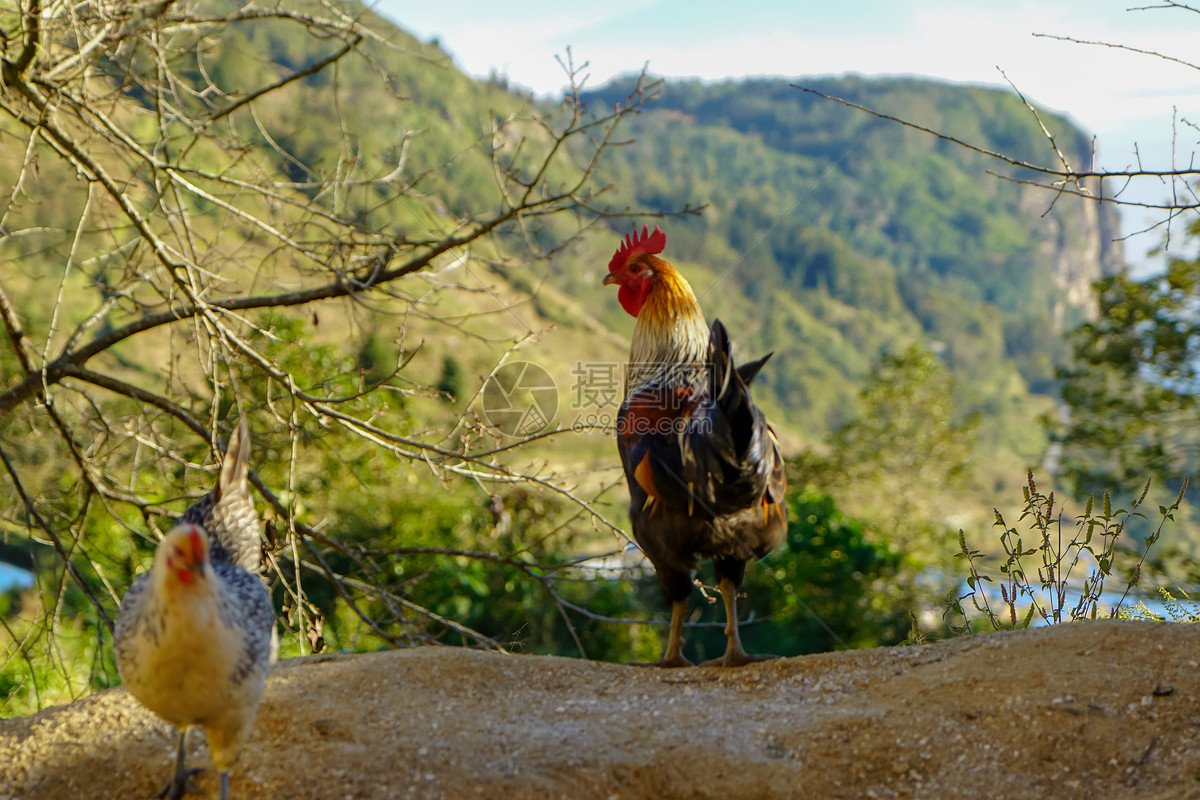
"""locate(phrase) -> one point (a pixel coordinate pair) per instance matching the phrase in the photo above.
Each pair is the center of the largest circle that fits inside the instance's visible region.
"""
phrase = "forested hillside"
(833, 237)
(307, 217)
(850, 236)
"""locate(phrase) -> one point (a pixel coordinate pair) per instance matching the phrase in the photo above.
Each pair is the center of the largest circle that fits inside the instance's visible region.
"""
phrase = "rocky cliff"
(1082, 244)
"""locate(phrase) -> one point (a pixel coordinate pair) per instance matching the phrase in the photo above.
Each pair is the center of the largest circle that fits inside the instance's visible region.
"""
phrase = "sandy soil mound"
(1102, 709)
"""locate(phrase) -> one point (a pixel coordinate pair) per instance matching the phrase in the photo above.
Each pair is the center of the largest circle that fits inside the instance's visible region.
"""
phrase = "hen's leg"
(181, 782)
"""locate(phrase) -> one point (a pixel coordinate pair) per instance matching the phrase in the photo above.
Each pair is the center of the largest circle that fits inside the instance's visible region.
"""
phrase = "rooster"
(196, 634)
(705, 476)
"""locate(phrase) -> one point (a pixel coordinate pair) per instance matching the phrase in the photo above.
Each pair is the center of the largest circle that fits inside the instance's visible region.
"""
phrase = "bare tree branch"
(183, 257)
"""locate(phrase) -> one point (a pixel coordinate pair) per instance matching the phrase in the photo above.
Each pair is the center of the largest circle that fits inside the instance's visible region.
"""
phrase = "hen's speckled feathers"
(227, 512)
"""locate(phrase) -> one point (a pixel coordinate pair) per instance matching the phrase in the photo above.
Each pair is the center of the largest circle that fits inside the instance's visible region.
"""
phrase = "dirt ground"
(1102, 709)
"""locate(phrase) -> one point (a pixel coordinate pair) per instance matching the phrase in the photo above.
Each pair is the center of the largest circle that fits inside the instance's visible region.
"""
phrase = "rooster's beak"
(610, 278)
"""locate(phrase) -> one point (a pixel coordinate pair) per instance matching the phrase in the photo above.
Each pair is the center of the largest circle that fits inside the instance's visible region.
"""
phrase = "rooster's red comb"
(634, 245)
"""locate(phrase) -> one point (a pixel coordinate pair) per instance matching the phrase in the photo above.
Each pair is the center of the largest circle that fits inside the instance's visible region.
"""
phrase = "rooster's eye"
(635, 269)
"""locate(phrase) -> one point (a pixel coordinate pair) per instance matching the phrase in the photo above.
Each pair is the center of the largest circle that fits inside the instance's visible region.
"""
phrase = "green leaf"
(1028, 617)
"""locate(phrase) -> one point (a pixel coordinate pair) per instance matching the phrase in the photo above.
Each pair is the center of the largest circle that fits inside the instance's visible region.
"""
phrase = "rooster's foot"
(736, 658)
(666, 663)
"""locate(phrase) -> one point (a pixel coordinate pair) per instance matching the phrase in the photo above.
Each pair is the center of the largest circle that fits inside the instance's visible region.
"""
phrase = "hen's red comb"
(635, 245)
(196, 535)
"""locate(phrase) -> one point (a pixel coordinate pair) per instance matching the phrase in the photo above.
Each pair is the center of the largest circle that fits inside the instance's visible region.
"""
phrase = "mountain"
(827, 235)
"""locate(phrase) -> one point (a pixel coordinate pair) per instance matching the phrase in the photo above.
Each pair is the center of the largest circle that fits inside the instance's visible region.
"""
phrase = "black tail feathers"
(725, 381)
(720, 361)
(729, 391)
(749, 371)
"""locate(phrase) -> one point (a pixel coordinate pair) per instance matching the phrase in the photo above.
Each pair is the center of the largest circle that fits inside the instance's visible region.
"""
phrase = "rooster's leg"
(734, 656)
(673, 655)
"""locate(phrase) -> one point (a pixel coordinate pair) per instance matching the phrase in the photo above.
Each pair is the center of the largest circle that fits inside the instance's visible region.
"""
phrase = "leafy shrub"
(1071, 573)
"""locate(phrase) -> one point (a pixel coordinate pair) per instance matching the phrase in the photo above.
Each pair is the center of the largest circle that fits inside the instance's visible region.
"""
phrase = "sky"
(1122, 97)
